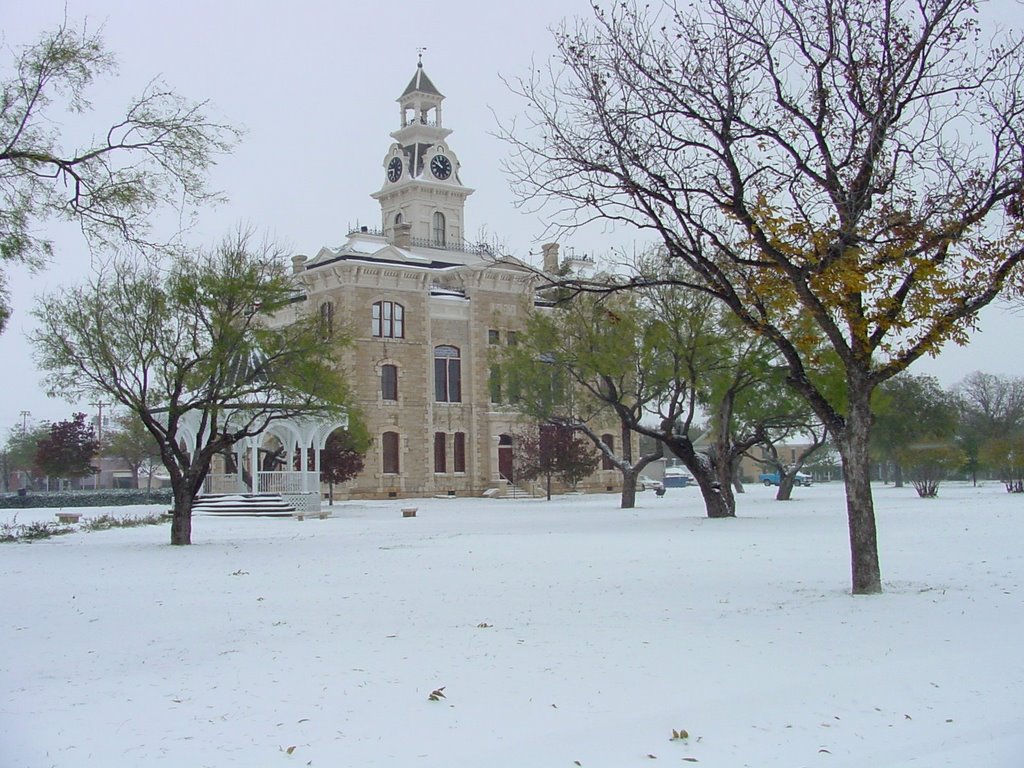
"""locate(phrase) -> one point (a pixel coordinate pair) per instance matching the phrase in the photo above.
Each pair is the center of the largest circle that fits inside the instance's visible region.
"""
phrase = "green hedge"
(117, 497)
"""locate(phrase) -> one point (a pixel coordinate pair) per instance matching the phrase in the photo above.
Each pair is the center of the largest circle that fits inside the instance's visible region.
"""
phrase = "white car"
(644, 483)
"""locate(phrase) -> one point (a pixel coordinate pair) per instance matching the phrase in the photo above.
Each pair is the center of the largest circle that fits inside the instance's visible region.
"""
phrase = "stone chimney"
(550, 251)
(403, 235)
(298, 263)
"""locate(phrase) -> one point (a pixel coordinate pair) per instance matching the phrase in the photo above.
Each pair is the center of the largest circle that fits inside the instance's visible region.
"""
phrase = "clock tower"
(422, 200)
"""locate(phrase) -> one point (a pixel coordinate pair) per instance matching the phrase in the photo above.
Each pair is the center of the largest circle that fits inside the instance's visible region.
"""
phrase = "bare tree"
(852, 162)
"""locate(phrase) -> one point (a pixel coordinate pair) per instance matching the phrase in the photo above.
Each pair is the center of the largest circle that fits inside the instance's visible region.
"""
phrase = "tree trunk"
(181, 522)
(629, 488)
(786, 482)
(718, 502)
(853, 447)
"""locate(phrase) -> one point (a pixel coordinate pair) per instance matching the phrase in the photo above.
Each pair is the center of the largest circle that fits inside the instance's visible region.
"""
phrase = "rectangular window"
(388, 320)
(459, 452)
(388, 382)
(389, 449)
(455, 381)
(493, 337)
(440, 463)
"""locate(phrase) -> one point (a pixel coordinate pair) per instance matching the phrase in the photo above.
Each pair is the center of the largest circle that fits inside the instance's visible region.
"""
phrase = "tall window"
(388, 320)
(608, 440)
(388, 382)
(439, 228)
(494, 383)
(493, 337)
(398, 218)
(389, 449)
(440, 463)
(459, 452)
(327, 319)
(447, 374)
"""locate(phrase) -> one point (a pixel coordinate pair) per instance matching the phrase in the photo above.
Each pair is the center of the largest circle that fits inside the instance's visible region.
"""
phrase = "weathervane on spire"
(419, 53)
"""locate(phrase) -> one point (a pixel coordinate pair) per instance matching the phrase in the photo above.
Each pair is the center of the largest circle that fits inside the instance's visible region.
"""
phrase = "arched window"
(447, 374)
(608, 440)
(388, 382)
(327, 319)
(398, 218)
(439, 228)
(388, 320)
(389, 450)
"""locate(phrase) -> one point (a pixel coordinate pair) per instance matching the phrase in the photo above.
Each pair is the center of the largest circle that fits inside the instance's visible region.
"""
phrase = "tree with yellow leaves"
(846, 170)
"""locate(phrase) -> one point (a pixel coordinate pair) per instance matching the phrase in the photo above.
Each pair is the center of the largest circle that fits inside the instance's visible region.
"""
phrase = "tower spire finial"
(419, 53)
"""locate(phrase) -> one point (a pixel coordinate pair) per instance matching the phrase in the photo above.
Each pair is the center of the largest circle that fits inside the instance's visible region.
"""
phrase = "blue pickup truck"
(772, 478)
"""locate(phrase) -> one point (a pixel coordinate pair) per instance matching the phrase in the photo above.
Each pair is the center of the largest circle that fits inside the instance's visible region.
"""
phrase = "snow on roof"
(441, 292)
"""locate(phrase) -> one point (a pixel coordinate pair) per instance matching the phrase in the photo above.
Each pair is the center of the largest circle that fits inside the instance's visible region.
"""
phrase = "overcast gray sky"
(314, 84)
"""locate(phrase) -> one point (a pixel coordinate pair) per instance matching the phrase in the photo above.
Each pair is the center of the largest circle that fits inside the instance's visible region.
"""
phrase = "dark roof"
(420, 83)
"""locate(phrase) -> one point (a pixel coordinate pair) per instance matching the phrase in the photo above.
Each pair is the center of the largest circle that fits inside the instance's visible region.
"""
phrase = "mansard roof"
(420, 83)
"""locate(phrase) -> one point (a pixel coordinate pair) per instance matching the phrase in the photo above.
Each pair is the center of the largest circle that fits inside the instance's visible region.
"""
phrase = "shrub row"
(115, 497)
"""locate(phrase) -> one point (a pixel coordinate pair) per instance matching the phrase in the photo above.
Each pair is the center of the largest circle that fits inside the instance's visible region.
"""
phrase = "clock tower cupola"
(422, 199)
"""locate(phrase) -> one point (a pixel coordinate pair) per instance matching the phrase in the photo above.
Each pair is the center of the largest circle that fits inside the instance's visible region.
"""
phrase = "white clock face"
(395, 169)
(441, 167)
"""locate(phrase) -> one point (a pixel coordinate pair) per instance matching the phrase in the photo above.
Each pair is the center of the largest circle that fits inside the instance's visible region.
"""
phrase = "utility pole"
(99, 440)
(24, 420)
(99, 422)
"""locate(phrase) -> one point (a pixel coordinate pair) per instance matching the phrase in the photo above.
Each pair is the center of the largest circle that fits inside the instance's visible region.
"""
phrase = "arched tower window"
(439, 229)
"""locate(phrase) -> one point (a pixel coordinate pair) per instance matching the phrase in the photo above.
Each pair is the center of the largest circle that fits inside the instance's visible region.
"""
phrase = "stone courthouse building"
(425, 312)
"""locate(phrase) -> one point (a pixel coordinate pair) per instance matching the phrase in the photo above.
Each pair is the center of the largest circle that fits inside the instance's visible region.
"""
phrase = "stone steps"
(243, 505)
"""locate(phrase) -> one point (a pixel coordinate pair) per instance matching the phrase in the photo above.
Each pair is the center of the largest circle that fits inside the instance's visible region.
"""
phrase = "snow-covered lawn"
(563, 633)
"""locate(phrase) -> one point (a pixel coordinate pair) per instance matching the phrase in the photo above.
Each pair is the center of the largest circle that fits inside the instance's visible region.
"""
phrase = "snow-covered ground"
(563, 633)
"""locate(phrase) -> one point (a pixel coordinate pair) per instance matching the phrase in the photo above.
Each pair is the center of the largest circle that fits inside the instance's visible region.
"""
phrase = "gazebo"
(299, 438)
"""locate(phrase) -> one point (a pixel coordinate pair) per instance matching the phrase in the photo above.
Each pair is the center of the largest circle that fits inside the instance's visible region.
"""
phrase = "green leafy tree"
(1005, 455)
(156, 153)
(20, 451)
(657, 359)
(991, 409)
(541, 382)
(929, 463)
(909, 410)
(68, 448)
(787, 423)
(854, 163)
(131, 442)
(211, 349)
